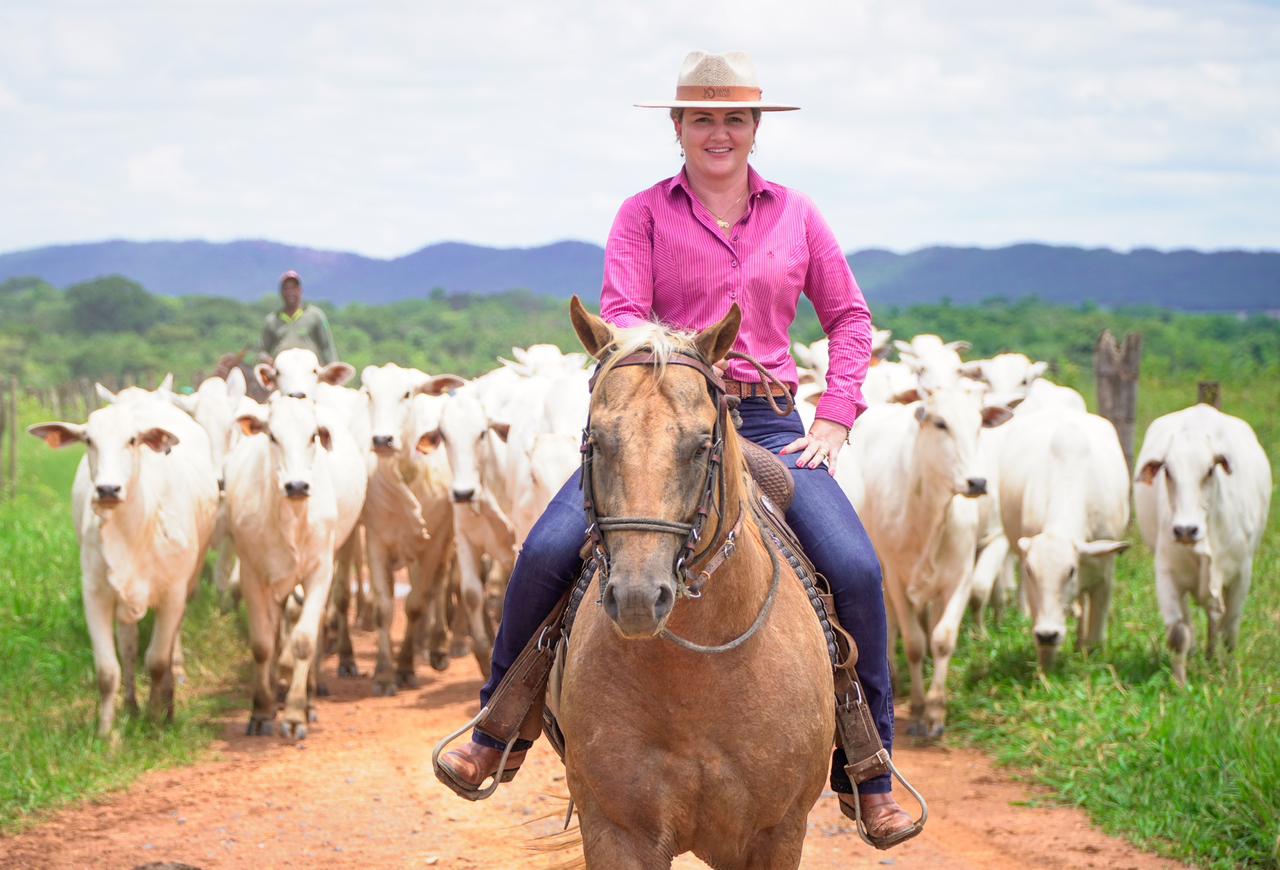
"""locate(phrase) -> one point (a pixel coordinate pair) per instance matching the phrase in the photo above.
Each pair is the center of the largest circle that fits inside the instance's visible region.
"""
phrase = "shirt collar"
(756, 184)
(295, 317)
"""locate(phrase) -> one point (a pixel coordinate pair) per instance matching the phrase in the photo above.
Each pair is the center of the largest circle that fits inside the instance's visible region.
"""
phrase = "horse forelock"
(652, 337)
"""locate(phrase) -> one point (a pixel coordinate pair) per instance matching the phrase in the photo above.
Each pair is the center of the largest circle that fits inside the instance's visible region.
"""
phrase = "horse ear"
(594, 333)
(716, 341)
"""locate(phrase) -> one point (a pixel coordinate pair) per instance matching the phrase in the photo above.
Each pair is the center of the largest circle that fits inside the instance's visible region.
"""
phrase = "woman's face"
(716, 142)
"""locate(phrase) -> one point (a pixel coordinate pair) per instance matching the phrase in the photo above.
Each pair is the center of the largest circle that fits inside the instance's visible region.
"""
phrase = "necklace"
(720, 221)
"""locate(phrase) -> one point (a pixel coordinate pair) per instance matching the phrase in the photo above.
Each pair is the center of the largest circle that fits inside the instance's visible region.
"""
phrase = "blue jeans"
(823, 520)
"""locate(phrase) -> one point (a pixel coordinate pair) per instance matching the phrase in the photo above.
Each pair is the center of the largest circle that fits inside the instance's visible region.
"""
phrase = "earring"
(753, 148)
(681, 152)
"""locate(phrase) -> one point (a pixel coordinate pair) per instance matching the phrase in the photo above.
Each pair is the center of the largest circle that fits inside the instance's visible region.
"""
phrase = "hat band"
(710, 93)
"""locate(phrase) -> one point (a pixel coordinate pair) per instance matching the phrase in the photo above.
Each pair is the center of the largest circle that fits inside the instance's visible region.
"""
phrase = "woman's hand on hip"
(822, 444)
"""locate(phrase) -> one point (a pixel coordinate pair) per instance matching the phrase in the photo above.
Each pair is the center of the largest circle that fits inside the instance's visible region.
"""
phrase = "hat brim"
(717, 104)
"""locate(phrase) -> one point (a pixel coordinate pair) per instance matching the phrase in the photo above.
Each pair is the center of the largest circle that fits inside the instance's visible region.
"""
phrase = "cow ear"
(1221, 459)
(715, 342)
(904, 347)
(804, 376)
(107, 397)
(166, 385)
(1148, 472)
(958, 346)
(995, 415)
(58, 434)
(972, 370)
(1036, 370)
(336, 373)
(1101, 547)
(429, 441)
(594, 333)
(326, 439)
(251, 425)
(502, 430)
(521, 355)
(438, 385)
(236, 386)
(921, 415)
(184, 403)
(159, 440)
(906, 397)
(266, 375)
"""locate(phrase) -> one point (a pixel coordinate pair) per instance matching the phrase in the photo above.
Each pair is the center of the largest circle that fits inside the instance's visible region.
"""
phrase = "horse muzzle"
(639, 609)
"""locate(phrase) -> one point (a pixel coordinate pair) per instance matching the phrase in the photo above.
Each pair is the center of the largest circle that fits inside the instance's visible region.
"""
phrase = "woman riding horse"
(683, 252)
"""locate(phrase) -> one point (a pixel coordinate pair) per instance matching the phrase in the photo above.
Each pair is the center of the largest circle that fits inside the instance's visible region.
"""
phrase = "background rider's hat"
(290, 276)
(718, 81)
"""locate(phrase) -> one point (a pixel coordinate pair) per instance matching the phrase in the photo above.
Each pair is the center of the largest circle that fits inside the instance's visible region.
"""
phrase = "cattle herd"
(962, 472)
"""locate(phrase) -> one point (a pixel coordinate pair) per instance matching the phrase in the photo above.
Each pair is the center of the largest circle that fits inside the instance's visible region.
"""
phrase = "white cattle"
(215, 405)
(294, 493)
(936, 363)
(1064, 500)
(1202, 491)
(887, 380)
(544, 360)
(408, 519)
(911, 472)
(1007, 376)
(144, 502)
(1045, 395)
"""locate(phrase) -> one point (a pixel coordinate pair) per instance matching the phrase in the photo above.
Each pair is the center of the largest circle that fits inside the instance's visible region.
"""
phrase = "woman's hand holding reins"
(822, 444)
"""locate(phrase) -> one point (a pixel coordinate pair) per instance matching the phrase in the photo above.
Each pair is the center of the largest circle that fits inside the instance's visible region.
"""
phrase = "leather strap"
(752, 389)
(524, 685)
(722, 93)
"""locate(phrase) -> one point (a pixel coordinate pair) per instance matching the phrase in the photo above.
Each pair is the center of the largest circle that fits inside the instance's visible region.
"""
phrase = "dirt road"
(359, 792)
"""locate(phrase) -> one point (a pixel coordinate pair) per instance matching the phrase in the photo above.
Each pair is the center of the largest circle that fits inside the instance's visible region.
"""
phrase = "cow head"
(297, 371)
(1191, 468)
(947, 444)
(296, 436)
(1051, 578)
(215, 406)
(115, 437)
(935, 363)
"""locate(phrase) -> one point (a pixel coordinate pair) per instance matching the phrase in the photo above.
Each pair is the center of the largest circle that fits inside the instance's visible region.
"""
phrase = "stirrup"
(466, 789)
(902, 836)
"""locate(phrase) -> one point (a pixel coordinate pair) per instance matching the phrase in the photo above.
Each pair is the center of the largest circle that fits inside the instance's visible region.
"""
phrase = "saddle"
(770, 474)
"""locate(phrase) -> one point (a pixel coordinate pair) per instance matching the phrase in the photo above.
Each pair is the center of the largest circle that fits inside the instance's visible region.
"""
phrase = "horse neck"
(732, 598)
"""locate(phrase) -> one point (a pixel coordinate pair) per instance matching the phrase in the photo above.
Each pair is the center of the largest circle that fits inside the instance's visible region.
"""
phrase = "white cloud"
(382, 129)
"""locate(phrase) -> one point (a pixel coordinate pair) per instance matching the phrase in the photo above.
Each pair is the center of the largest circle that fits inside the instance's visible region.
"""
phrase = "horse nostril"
(666, 600)
(297, 488)
(610, 602)
(1047, 638)
(463, 495)
(977, 486)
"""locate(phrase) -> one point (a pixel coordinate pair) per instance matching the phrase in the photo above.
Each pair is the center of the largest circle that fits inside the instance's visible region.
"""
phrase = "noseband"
(692, 569)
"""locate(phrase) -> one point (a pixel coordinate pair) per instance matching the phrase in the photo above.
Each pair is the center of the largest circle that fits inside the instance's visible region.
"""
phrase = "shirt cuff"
(838, 410)
(625, 320)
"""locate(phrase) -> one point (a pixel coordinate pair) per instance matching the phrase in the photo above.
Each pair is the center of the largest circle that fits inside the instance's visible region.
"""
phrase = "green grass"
(48, 693)
(1191, 773)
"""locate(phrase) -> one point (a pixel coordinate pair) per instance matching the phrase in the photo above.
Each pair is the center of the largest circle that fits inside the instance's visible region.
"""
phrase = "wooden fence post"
(1116, 369)
(1209, 393)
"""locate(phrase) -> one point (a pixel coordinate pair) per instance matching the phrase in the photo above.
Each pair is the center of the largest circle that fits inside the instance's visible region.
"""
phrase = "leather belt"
(753, 389)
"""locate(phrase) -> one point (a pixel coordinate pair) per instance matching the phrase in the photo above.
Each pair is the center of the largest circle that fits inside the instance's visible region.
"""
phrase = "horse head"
(656, 434)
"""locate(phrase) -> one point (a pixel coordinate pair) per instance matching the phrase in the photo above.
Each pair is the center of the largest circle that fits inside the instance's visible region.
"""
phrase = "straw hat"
(718, 81)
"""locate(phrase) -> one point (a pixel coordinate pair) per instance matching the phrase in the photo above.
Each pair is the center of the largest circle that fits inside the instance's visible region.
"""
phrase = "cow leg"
(437, 622)
(127, 639)
(1006, 585)
(459, 625)
(226, 572)
(1176, 615)
(384, 678)
(1215, 605)
(942, 646)
(986, 573)
(179, 659)
(264, 616)
(1098, 601)
(303, 641)
(913, 639)
(160, 652)
(472, 601)
(340, 595)
(99, 614)
(414, 606)
(1236, 592)
(366, 598)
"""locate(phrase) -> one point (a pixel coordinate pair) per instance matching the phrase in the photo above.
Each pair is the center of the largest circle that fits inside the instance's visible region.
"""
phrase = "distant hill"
(247, 270)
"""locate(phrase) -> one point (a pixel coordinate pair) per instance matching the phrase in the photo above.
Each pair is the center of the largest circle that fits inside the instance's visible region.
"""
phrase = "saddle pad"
(770, 474)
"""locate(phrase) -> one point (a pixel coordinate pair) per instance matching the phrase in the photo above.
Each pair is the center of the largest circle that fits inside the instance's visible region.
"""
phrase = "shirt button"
(735, 237)
(733, 263)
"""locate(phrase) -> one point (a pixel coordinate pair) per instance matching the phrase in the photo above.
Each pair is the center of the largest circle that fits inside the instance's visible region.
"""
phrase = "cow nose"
(109, 492)
(977, 486)
(1186, 534)
(297, 489)
(297, 395)
(461, 495)
(1048, 638)
(381, 442)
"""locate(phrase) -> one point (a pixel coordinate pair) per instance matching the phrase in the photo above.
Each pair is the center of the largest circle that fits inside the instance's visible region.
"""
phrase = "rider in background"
(297, 326)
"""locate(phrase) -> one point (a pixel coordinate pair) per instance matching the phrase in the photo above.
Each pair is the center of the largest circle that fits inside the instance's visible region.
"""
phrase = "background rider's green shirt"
(307, 327)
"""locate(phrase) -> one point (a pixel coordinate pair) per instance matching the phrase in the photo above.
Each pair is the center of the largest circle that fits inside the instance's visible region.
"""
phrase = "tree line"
(112, 329)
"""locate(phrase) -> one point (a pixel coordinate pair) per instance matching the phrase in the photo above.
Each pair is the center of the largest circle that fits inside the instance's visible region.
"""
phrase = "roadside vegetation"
(1192, 773)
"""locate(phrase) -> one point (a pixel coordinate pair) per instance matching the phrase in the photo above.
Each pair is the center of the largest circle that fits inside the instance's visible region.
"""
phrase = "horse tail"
(566, 842)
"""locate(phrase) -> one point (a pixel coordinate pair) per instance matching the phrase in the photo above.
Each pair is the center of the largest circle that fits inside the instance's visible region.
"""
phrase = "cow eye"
(407, 393)
(941, 424)
(272, 438)
(88, 442)
(133, 441)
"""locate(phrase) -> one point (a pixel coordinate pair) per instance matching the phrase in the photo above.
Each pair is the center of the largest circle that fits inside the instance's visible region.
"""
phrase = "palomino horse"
(670, 750)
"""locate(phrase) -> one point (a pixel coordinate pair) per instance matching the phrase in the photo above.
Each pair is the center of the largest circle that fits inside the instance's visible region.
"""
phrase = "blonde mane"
(659, 340)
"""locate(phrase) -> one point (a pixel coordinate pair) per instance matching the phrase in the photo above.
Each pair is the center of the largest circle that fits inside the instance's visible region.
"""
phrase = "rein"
(693, 568)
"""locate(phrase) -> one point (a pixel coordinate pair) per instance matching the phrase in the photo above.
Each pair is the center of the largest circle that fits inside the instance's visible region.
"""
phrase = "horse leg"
(779, 846)
(607, 846)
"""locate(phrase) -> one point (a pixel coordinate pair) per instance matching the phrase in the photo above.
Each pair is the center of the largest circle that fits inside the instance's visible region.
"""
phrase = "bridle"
(693, 567)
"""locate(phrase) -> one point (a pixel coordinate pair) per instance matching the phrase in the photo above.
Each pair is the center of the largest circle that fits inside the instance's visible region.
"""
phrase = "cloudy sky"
(382, 127)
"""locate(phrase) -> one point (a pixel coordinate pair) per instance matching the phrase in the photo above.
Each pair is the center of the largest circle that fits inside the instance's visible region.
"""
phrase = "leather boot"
(887, 823)
(465, 770)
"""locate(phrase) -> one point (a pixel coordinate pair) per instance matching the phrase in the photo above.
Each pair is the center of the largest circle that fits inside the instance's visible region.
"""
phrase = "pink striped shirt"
(667, 258)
